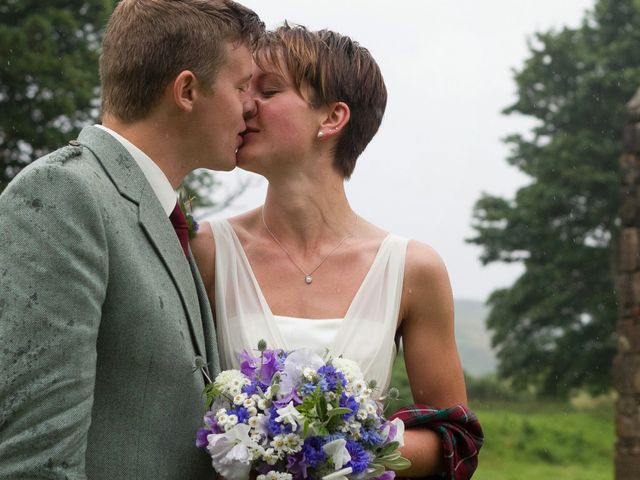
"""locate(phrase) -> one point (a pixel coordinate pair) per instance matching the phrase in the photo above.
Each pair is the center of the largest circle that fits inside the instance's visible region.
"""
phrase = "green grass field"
(529, 440)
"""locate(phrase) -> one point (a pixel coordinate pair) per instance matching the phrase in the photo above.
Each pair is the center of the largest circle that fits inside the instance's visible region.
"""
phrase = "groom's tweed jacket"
(101, 320)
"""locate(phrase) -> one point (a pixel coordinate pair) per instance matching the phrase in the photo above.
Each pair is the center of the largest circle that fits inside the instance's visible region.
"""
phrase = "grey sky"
(448, 69)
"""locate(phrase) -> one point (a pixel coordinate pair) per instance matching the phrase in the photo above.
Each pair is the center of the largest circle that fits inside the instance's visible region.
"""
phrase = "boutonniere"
(186, 207)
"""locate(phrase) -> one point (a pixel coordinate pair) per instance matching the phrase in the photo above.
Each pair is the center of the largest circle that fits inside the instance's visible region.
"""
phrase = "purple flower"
(296, 466)
(201, 437)
(359, 457)
(386, 475)
(262, 367)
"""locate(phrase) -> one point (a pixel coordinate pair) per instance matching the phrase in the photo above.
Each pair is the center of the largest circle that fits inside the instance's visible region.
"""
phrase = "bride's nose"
(250, 108)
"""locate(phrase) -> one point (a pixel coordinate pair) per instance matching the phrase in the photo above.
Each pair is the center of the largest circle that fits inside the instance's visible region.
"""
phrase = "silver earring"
(320, 134)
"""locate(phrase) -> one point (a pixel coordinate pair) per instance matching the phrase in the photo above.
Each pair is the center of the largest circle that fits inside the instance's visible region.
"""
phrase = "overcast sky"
(448, 70)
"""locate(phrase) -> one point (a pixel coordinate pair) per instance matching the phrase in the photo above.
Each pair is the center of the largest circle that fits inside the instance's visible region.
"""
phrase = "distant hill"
(473, 340)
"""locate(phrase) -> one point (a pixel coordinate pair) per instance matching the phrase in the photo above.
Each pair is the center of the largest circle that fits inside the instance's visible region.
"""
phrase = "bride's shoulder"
(246, 224)
(424, 263)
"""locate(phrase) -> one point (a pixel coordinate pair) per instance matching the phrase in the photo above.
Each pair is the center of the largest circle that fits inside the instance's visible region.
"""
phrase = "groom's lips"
(247, 131)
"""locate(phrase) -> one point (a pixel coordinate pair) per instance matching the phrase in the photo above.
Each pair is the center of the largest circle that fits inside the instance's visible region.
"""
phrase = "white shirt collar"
(153, 173)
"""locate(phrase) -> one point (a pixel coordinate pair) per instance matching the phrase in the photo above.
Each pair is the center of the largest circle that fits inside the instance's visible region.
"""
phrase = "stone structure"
(626, 376)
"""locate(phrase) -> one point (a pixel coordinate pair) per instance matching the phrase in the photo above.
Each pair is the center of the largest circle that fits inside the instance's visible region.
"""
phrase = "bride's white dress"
(366, 334)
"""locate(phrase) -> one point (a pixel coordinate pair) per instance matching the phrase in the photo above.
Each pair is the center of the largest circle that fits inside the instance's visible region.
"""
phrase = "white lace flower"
(293, 443)
(349, 368)
(279, 443)
(273, 475)
(229, 382)
(270, 456)
(309, 373)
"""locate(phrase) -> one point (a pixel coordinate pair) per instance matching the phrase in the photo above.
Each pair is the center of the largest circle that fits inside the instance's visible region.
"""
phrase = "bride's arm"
(430, 352)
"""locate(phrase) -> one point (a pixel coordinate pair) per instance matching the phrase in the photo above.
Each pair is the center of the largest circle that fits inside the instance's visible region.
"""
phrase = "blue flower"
(359, 457)
(331, 377)
(276, 428)
(240, 412)
(349, 402)
(312, 452)
(371, 437)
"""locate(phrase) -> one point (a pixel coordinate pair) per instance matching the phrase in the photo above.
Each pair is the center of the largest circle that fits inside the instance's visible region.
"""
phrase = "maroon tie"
(179, 223)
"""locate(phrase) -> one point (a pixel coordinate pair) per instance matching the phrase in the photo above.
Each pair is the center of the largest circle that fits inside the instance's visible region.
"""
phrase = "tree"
(554, 328)
(48, 75)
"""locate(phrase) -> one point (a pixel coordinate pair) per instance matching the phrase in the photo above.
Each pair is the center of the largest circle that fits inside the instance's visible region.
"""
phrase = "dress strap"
(243, 317)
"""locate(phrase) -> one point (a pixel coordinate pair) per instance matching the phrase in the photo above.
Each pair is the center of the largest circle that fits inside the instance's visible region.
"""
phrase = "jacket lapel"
(132, 184)
(158, 228)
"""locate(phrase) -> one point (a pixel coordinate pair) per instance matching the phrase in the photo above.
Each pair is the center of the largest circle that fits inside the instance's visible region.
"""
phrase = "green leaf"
(339, 411)
(375, 470)
(394, 462)
(388, 448)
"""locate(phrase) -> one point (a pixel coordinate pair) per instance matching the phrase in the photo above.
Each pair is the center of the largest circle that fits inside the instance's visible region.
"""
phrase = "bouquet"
(293, 416)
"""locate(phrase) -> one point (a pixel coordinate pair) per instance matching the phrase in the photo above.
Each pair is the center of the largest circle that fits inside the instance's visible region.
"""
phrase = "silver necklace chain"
(308, 277)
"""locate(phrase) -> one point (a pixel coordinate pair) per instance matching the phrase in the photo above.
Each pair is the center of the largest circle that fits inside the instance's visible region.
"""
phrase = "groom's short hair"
(147, 43)
(333, 68)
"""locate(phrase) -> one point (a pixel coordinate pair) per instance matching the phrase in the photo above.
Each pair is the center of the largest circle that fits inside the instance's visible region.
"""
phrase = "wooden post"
(626, 368)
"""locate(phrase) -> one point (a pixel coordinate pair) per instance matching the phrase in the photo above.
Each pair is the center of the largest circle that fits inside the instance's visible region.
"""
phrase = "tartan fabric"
(459, 430)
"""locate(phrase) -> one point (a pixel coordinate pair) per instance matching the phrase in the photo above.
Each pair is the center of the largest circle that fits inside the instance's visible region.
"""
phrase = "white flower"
(338, 452)
(231, 421)
(279, 442)
(231, 452)
(289, 415)
(399, 432)
(230, 382)
(399, 424)
(294, 443)
(309, 373)
(273, 475)
(349, 368)
(293, 367)
(339, 475)
(359, 386)
(263, 404)
(270, 456)
(239, 398)
(252, 411)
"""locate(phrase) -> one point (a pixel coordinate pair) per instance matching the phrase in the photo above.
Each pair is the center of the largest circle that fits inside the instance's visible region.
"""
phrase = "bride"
(304, 270)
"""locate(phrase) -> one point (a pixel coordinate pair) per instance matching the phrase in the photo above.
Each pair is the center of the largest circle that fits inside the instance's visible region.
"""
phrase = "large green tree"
(554, 327)
(48, 75)
(50, 85)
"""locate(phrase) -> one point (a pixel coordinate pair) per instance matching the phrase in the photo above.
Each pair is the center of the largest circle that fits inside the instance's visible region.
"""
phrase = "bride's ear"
(337, 117)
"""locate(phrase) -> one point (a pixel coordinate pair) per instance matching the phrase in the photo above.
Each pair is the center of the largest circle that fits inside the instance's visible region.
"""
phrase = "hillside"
(473, 340)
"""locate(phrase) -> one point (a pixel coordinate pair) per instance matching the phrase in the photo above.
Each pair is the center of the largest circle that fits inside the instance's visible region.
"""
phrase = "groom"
(103, 317)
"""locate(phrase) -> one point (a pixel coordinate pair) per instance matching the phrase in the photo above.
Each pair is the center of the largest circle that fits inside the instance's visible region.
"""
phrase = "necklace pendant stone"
(308, 279)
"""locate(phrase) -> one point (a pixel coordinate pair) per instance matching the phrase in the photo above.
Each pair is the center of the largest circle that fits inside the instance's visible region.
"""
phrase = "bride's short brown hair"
(147, 43)
(334, 68)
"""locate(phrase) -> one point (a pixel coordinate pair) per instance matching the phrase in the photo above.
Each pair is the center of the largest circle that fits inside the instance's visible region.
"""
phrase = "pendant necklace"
(308, 277)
